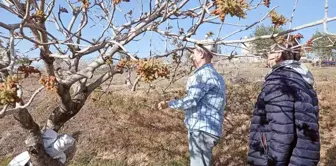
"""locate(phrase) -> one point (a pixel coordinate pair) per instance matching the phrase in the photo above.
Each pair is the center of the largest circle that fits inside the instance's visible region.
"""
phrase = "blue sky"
(307, 11)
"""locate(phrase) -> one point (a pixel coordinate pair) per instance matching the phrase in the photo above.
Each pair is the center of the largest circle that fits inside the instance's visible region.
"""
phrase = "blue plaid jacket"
(204, 102)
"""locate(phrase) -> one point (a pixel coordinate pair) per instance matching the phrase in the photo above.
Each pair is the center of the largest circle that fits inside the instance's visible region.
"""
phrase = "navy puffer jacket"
(284, 128)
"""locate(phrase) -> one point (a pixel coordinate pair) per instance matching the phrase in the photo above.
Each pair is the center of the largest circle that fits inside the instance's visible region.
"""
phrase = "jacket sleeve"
(197, 89)
(279, 106)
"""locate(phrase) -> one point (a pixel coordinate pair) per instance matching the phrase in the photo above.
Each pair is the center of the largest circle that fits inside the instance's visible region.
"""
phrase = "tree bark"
(34, 141)
(66, 110)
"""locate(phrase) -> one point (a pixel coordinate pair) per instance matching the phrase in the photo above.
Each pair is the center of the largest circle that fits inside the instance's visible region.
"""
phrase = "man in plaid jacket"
(203, 106)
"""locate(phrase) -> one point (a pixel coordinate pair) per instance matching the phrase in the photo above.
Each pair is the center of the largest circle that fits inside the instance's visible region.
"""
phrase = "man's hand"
(163, 105)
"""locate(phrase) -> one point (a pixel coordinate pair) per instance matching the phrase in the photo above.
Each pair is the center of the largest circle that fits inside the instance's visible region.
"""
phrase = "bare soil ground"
(124, 128)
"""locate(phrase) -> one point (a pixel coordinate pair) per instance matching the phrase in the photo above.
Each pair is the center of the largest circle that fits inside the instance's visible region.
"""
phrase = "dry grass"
(124, 128)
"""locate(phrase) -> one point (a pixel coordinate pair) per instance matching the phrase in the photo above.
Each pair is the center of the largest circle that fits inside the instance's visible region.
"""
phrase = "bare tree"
(119, 28)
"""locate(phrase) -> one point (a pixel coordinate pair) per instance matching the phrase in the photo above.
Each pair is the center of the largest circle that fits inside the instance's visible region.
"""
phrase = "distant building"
(247, 49)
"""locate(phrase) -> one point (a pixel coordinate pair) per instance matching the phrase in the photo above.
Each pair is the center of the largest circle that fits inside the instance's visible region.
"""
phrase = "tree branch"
(102, 79)
(262, 37)
(326, 19)
(250, 26)
(18, 107)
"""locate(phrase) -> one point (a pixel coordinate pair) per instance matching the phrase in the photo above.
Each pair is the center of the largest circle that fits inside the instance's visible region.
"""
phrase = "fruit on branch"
(309, 44)
(163, 72)
(8, 91)
(277, 20)
(298, 36)
(39, 16)
(232, 7)
(176, 59)
(148, 70)
(49, 82)
(86, 4)
(293, 39)
(27, 70)
(122, 64)
(267, 3)
(116, 2)
(108, 60)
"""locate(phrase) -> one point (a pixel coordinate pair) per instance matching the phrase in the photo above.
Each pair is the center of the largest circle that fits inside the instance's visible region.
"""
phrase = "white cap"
(210, 48)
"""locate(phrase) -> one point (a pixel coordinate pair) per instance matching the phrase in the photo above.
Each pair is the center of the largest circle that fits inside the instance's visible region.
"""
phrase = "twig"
(291, 19)
(136, 83)
(6, 111)
(262, 37)
(3, 111)
(250, 26)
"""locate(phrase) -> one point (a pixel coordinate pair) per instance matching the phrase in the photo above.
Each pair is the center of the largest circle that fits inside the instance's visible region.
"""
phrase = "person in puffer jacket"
(285, 123)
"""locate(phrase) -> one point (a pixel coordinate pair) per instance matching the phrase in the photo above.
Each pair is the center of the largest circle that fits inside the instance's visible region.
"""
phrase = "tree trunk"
(66, 110)
(34, 141)
(49, 67)
(320, 64)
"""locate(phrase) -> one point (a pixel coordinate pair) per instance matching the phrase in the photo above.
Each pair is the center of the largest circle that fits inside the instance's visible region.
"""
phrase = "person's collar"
(280, 65)
(284, 63)
(298, 68)
(203, 66)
